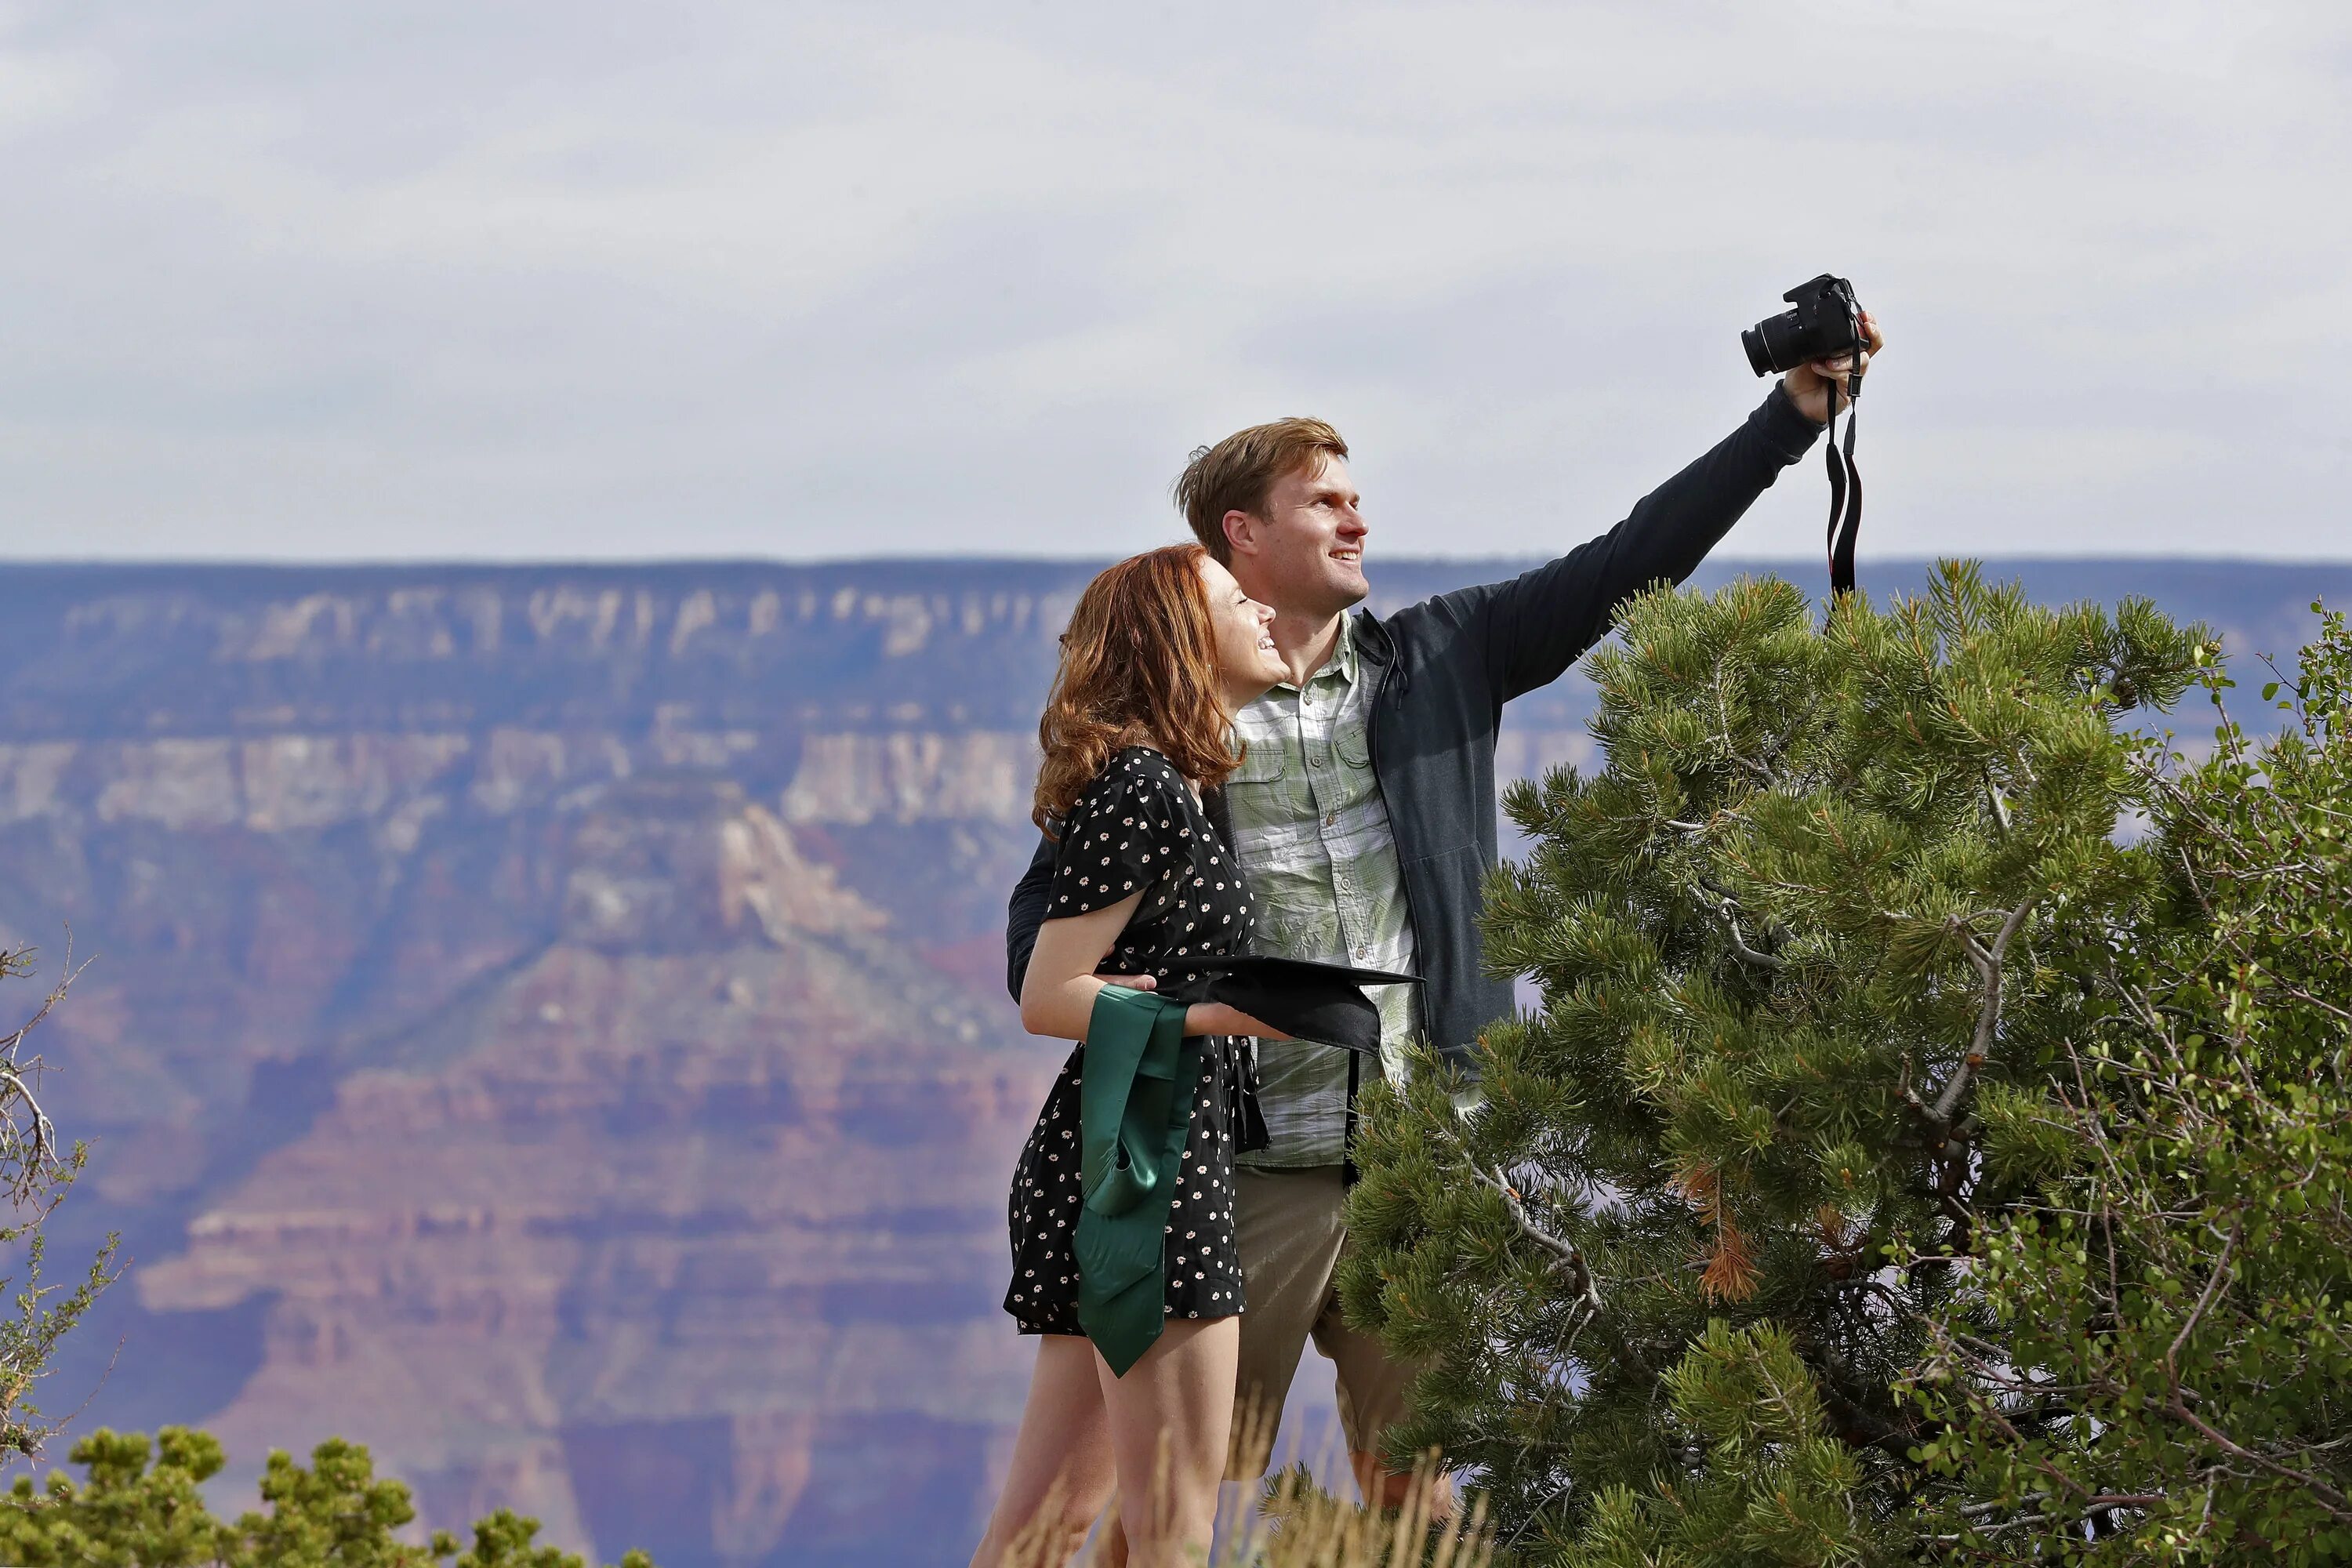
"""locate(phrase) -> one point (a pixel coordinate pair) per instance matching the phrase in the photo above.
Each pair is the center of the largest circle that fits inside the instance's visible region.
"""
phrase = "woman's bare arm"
(1057, 995)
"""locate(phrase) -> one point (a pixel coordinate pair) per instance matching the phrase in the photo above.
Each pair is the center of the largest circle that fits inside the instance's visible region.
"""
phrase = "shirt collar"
(1341, 664)
(1344, 654)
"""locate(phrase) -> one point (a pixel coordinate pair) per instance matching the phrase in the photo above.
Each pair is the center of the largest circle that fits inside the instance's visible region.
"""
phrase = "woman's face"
(1245, 654)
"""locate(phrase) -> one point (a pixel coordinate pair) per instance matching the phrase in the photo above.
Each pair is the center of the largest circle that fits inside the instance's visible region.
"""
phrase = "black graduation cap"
(1323, 1003)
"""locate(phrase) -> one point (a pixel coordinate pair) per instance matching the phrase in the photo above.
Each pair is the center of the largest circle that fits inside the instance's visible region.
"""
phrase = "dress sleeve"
(1112, 846)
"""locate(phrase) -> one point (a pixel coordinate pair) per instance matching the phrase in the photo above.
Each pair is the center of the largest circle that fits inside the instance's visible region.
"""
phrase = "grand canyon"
(548, 1023)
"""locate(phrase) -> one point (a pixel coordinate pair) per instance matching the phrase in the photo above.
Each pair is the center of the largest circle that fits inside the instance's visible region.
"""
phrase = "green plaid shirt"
(1312, 832)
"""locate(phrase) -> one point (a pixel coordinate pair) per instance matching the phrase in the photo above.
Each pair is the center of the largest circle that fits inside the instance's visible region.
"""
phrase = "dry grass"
(1299, 1525)
(1295, 1523)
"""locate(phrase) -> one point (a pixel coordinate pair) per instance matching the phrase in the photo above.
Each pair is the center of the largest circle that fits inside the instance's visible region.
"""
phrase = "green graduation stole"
(1135, 1106)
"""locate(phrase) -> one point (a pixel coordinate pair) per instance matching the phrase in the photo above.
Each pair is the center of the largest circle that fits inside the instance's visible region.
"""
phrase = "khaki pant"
(1289, 1237)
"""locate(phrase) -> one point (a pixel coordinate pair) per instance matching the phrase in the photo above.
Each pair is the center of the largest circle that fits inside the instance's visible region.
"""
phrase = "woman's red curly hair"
(1138, 667)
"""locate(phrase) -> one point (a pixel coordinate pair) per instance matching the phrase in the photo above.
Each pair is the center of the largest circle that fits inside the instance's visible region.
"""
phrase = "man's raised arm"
(1535, 625)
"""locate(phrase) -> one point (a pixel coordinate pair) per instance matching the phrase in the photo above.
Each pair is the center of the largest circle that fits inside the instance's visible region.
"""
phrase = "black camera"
(1826, 322)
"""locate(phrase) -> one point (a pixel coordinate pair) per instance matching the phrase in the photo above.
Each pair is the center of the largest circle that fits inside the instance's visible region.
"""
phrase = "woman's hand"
(1217, 1019)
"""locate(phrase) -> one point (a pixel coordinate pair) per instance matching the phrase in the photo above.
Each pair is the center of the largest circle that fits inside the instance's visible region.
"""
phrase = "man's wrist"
(1788, 428)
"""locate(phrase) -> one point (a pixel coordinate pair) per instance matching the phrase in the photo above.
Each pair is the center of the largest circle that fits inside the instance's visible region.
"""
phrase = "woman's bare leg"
(1170, 1418)
(1062, 1458)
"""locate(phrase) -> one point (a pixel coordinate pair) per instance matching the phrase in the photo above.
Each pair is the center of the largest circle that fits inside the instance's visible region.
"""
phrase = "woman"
(1162, 650)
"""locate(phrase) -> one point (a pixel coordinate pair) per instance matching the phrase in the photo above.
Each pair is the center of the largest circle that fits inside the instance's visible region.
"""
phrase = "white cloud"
(592, 279)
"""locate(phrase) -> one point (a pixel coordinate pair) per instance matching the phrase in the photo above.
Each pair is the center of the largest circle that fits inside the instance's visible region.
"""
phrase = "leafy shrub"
(335, 1514)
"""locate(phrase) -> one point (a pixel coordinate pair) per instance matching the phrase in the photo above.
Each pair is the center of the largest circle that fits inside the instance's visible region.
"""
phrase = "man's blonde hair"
(1235, 474)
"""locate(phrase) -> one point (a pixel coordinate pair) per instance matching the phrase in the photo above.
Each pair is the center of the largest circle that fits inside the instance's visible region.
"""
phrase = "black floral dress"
(1138, 828)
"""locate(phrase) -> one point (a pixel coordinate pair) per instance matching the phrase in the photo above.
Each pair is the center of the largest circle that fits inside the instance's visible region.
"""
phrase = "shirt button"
(1329, 817)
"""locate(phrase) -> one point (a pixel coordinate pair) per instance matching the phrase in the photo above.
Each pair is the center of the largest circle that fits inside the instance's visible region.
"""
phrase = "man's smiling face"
(1306, 555)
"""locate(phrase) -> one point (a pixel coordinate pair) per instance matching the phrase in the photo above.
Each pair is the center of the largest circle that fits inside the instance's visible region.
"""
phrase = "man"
(1364, 817)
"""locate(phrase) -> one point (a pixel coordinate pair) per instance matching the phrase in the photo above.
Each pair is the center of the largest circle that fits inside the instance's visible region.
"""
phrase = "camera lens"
(1777, 342)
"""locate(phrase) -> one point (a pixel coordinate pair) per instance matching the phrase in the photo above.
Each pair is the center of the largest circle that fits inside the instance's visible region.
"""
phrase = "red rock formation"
(716, 1173)
(541, 1031)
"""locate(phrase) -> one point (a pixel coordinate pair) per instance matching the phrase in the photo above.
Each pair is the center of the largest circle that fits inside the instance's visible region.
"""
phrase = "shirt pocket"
(1353, 742)
(1262, 764)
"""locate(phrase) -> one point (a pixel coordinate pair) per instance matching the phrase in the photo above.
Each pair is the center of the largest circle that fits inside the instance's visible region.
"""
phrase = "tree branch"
(1566, 1254)
(1988, 965)
(2334, 1501)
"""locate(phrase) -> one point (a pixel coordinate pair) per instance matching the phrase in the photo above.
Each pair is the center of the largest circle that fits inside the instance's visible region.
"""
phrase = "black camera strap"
(1845, 489)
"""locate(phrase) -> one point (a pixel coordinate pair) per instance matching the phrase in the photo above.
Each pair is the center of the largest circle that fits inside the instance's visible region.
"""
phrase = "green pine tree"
(1811, 944)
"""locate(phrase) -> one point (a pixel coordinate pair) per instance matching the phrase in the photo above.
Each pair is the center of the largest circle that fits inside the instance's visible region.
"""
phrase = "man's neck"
(1305, 642)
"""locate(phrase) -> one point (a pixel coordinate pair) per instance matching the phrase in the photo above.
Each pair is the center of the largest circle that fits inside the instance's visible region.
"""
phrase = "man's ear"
(1242, 532)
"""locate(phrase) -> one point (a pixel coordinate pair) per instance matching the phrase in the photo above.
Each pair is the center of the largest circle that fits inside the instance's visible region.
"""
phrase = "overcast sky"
(561, 277)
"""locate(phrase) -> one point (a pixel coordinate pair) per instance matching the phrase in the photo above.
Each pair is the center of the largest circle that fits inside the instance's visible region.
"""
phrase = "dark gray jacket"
(1443, 670)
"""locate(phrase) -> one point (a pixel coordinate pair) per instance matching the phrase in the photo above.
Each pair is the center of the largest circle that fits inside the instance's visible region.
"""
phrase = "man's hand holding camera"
(1822, 344)
(1809, 385)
